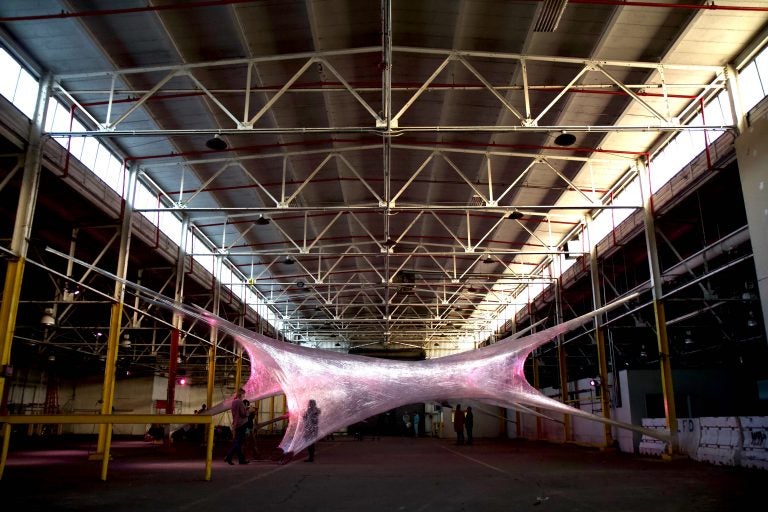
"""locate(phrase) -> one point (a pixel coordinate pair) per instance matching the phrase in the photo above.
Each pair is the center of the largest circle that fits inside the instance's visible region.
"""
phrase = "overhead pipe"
(217, 3)
(362, 86)
(125, 10)
(73, 108)
(398, 131)
(645, 286)
(696, 7)
(722, 246)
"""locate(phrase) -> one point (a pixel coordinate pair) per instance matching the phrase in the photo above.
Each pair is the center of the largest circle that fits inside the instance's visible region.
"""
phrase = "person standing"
(469, 423)
(416, 420)
(458, 424)
(239, 426)
(311, 427)
(249, 446)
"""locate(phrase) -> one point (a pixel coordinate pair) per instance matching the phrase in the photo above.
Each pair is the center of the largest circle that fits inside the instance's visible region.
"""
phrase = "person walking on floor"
(239, 426)
(469, 423)
(416, 420)
(458, 424)
(311, 427)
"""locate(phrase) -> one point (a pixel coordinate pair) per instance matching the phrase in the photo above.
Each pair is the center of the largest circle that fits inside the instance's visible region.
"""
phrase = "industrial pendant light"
(216, 143)
(565, 139)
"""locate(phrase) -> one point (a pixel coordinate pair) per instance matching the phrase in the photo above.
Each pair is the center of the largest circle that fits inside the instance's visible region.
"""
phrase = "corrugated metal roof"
(478, 92)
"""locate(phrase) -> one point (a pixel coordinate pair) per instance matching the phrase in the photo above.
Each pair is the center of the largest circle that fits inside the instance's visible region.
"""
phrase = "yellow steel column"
(209, 451)
(536, 384)
(116, 315)
(107, 447)
(667, 387)
(6, 442)
(602, 360)
(272, 413)
(605, 403)
(176, 331)
(25, 212)
(563, 387)
(561, 361)
(214, 338)
(238, 367)
(8, 309)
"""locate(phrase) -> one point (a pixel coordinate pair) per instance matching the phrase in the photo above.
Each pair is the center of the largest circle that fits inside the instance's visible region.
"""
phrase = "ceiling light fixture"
(47, 319)
(216, 143)
(565, 139)
(488, 259)
(71, 291)
(288, 261)
(262, 220)
(515, 215)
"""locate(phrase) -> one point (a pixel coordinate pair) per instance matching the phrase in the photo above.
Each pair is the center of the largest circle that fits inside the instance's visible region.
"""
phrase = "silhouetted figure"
(250, 447)
(469, 423)
(311, 421)
(416, 420)
(239, 426)
(458, 424)
(406, 423)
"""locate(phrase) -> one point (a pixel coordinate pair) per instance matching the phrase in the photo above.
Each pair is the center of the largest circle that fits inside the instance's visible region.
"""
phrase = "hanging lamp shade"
(565, 139)
(216, 143)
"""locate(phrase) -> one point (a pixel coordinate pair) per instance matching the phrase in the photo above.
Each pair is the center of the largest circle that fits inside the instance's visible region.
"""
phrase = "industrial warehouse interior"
(384, 184)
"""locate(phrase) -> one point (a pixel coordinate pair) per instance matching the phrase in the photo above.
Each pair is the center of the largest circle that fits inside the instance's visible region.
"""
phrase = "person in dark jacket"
(458, 424)
(469, 423)
(239, 426)
(311, 427)
(250, 447)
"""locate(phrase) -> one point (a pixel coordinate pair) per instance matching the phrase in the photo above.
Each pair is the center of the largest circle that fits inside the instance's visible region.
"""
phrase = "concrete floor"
(391, 474)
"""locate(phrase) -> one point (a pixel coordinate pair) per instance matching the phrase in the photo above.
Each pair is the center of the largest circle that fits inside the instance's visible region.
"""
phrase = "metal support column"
(561, 357)
(734, 97)
(115, 321)
(238, 367)
(537, 385)
(602, 359)
(25, 212)
(667, 387)
(177, 318)
(214, 335)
